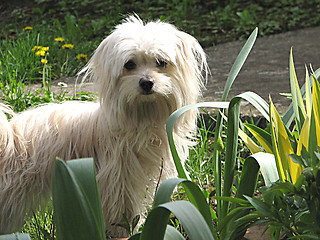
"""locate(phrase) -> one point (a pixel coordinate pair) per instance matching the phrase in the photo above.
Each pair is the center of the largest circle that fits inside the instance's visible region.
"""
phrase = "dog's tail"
(6, 133)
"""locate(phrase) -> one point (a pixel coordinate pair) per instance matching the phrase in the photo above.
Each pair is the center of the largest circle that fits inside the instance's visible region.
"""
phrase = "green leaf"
(258, 102)
(85, 173)
(261, 206)
(248, 179)
(172, 234)
(261, 135)
(268, 167)
(314, 135)
(281, 144)
(289, 114)
(189, 217)
(75, 216)
(135, 236)
(166, 189)
(231, 216)
(231, 77)
(170, 126)
(297, 101)
(239, 201)
(241, 58)
(241, 224)
(231, 150)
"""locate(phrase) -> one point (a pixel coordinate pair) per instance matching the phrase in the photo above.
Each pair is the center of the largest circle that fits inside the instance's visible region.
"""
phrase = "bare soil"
(266, 71)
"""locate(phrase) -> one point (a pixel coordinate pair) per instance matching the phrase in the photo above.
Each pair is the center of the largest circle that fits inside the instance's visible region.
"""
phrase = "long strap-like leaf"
(76, 201)
(165, 192)
(235, 69)
(189, 217)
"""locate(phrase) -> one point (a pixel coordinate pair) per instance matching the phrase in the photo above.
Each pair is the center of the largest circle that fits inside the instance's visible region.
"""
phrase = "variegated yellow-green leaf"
(304, 136)
(253, 147)
(308, 94)
(316, 107)
(297, 101)
(287, 169)
(262, 136)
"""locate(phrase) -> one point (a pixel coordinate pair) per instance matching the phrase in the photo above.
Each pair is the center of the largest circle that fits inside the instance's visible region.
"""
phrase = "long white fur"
(124, 131)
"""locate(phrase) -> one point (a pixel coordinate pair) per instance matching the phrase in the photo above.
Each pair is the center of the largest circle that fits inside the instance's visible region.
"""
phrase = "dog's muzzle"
(146, 84)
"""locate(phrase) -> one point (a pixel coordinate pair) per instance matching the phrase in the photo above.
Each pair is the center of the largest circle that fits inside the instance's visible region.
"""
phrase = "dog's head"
(147, 71)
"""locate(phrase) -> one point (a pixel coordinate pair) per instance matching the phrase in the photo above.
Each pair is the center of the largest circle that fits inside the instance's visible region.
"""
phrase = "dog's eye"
(130, 65)
(161, 63)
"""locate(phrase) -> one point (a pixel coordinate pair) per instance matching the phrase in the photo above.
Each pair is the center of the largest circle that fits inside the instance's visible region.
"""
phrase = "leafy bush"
(291, 206)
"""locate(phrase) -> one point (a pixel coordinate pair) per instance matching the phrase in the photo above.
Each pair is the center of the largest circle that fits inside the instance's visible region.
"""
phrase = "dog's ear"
(192, 56)
(104, 67)
(192, 63)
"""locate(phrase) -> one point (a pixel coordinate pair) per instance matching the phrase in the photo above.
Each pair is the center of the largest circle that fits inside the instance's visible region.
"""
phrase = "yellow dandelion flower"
(59, 39)
(40, 53)
(44, 61)
(27, 28)
(67, 46)
(46, 49)
(36, 48)
(82, 57)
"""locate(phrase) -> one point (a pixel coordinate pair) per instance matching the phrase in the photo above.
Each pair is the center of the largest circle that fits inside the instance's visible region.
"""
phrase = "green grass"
(37, 57)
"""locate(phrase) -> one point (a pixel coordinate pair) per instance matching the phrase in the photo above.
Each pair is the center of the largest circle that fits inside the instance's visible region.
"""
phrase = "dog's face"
(147, 71)
(145, 78)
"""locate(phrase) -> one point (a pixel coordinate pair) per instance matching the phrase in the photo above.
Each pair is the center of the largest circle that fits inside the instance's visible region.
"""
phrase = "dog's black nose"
(146, 83)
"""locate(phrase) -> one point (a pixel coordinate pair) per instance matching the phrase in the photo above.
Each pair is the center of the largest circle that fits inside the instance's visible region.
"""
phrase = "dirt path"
(266, 70)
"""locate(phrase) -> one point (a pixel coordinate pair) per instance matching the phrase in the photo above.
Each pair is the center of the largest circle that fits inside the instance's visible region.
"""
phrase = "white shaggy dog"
(143, 72)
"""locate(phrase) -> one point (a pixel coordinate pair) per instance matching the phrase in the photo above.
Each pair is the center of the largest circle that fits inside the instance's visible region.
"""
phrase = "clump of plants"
(33, 58)
(291, 206)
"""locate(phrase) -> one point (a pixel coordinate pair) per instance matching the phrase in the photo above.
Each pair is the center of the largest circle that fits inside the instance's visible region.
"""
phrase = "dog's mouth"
(147, 93)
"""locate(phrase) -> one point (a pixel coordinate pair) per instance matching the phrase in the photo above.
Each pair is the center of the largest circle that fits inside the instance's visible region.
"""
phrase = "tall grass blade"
(85, 172)
(232, 138)
(304, 136)
(170, 126)
(248, 179)
(258, 102)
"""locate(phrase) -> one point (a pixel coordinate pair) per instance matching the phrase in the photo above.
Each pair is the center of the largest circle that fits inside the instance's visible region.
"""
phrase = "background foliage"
(211, 22)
